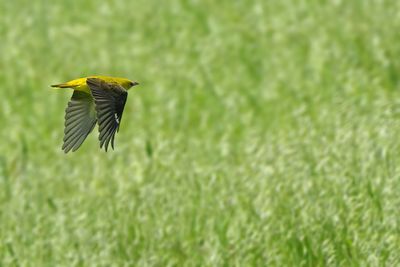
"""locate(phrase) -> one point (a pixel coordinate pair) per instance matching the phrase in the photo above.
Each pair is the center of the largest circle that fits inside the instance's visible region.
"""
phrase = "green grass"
(263, 133)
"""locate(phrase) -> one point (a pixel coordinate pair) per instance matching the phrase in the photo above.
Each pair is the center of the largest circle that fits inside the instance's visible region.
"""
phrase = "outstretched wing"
(110, 101)
(80, 118)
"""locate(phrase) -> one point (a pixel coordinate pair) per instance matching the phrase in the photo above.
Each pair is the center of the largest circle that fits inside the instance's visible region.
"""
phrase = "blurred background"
(262, 133)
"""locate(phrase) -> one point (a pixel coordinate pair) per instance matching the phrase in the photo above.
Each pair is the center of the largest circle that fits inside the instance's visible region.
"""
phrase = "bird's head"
(127, 84)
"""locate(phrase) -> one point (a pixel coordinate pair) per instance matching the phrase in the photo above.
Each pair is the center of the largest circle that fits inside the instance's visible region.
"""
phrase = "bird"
(95, 99)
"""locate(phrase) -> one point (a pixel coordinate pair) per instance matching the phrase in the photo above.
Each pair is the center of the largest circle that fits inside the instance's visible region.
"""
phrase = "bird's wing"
(110, 101)
(80, 118)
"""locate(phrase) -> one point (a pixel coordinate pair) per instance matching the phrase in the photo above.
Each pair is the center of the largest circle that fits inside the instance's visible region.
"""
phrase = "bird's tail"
(63, 85)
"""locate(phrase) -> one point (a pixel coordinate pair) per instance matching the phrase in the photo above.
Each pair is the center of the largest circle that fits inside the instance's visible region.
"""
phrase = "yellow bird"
(98, 99)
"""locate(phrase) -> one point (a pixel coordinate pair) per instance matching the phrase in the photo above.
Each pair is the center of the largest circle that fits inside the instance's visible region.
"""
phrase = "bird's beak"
(135, 83)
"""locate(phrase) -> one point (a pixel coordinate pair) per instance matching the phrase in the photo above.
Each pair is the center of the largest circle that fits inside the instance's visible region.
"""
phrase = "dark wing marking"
(110, 101)
(80, 118)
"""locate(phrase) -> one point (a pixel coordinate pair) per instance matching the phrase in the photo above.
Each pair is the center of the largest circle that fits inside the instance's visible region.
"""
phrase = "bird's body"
(80, 83)
(96, 99)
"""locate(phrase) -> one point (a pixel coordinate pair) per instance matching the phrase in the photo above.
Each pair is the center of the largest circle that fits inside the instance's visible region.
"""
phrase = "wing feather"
(80, 119)
(109, 101)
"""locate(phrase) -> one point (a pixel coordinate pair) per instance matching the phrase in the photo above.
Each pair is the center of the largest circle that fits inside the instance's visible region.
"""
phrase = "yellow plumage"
(80, 83)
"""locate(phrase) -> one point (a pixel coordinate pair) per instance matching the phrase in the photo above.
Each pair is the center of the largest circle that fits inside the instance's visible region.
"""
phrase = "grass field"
(263, 133)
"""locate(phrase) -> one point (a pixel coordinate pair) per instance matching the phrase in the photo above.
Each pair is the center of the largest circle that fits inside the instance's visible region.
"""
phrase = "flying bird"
(96, 99)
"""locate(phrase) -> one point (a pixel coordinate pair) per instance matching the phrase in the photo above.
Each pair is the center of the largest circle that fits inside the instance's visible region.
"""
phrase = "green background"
(262, 133)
